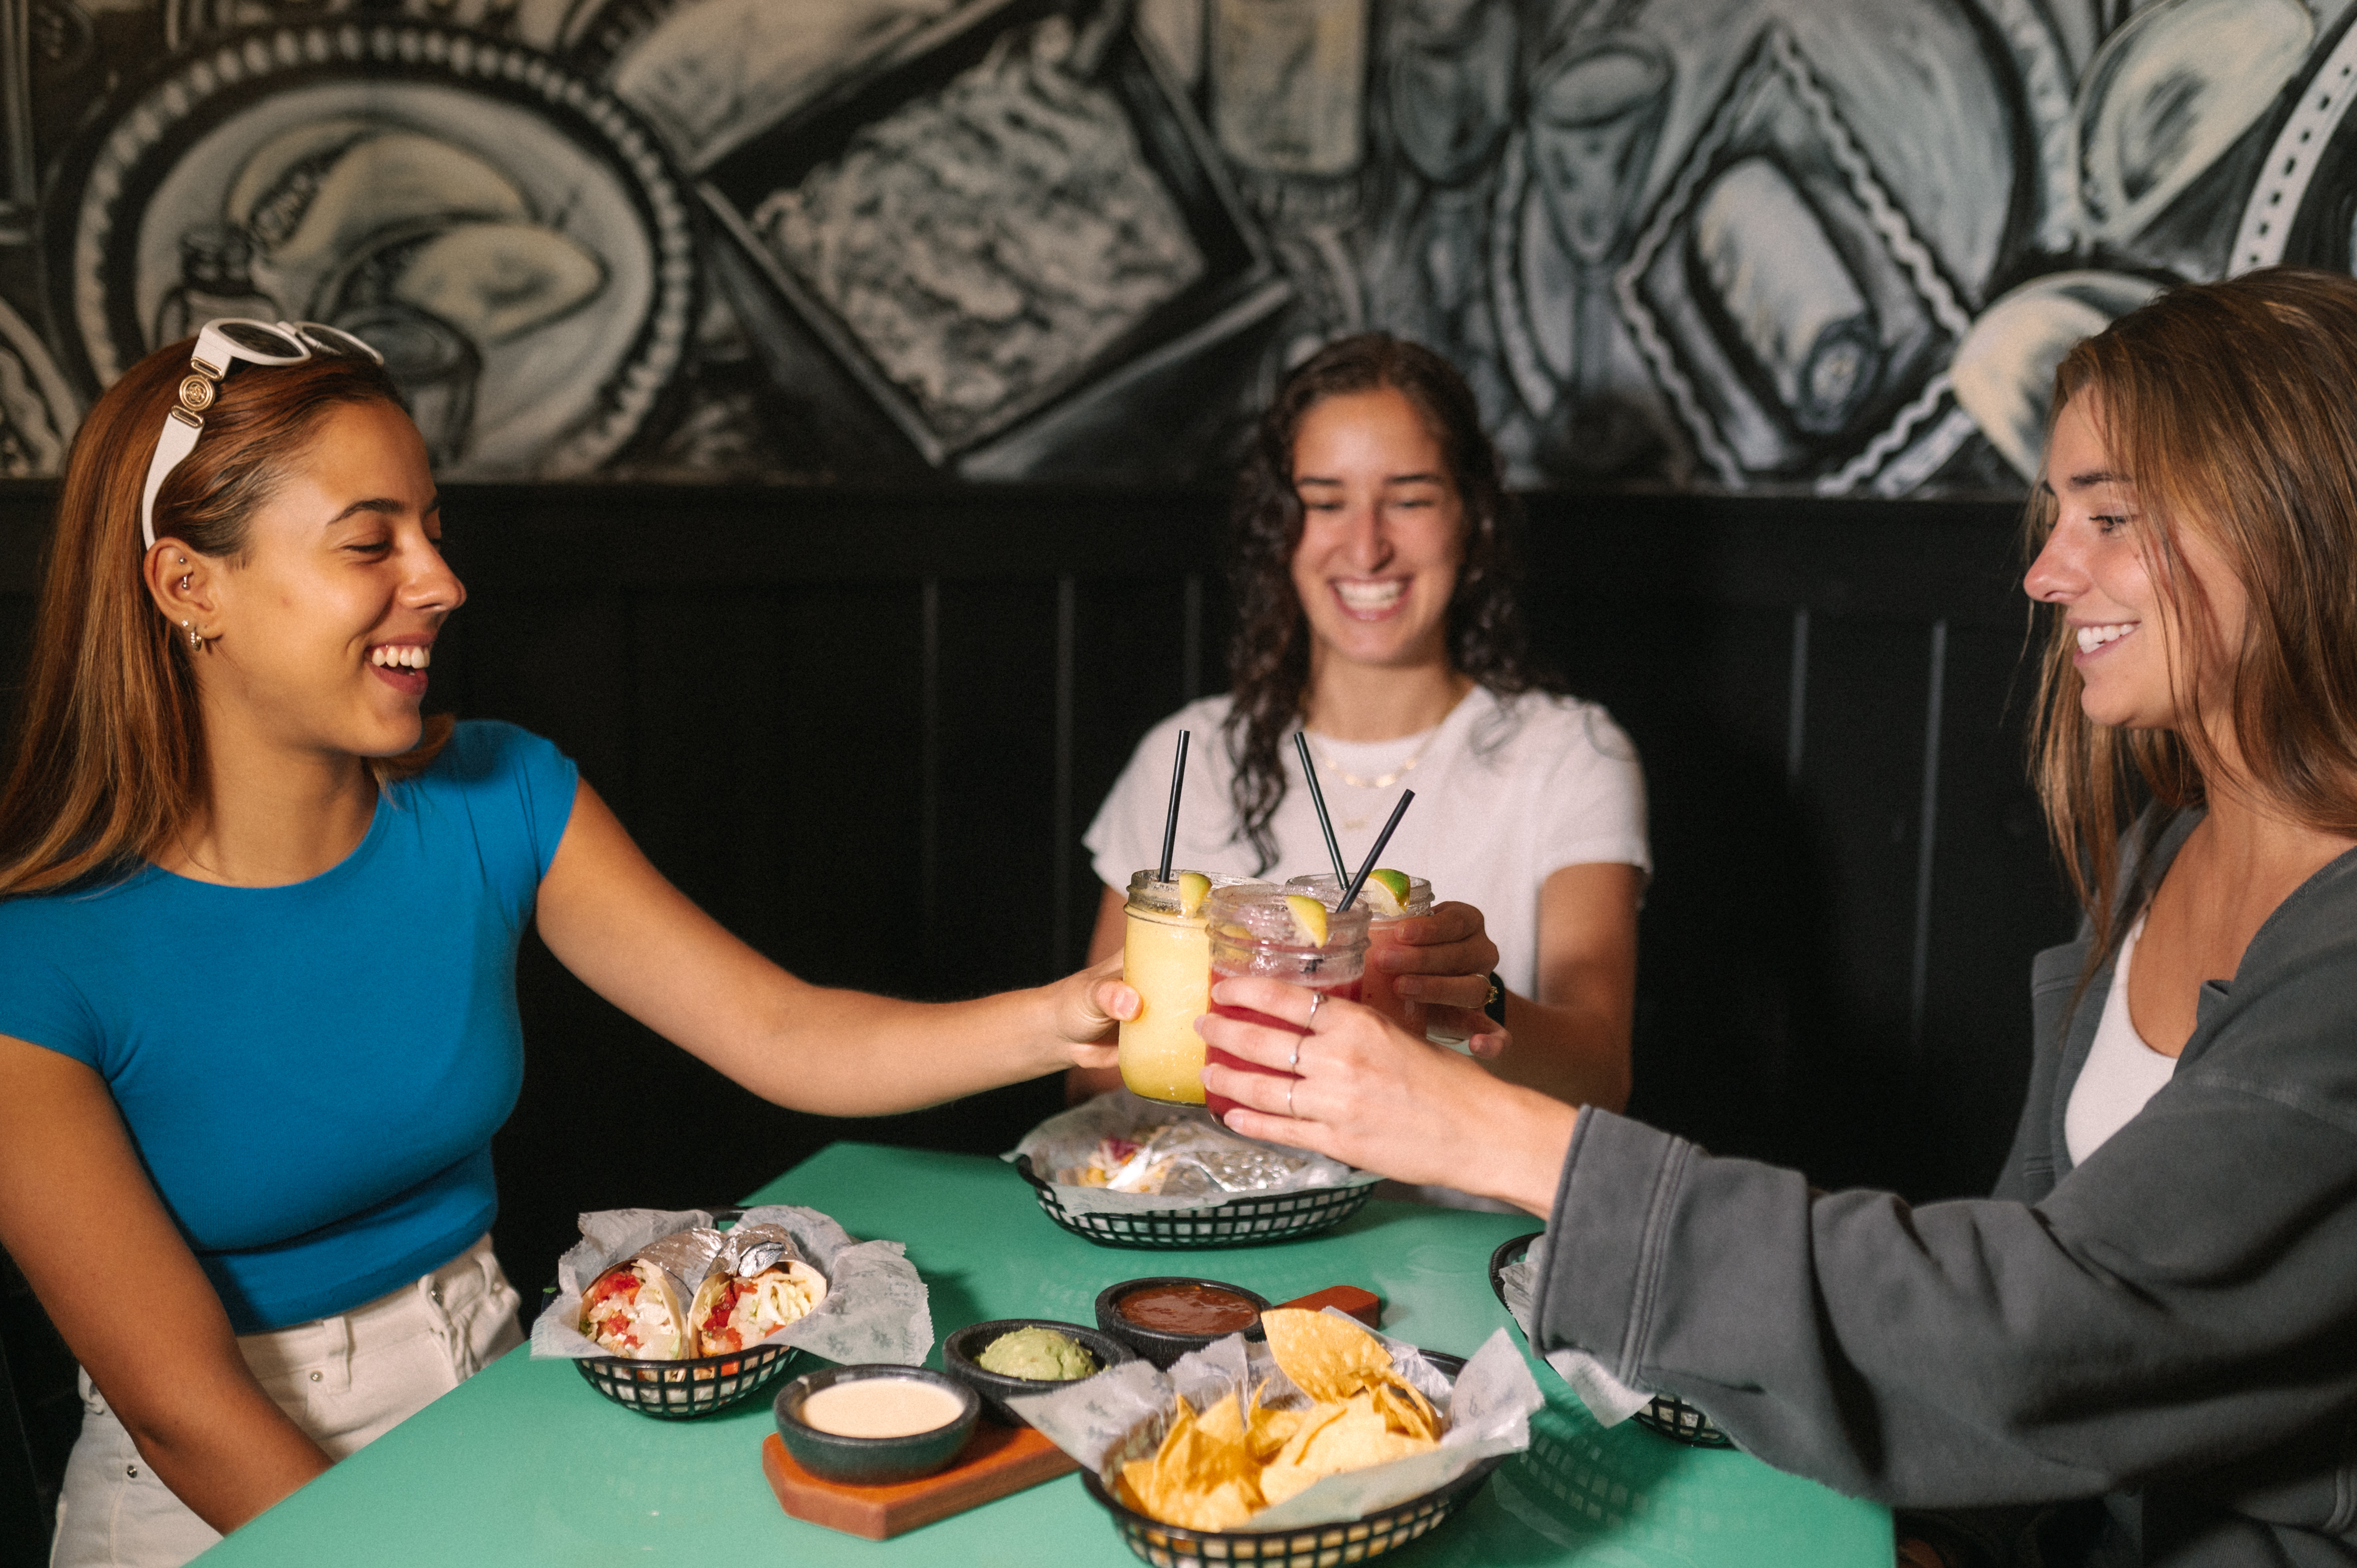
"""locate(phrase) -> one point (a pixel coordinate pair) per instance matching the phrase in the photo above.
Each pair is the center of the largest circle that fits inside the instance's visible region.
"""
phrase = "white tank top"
(2121, 1071)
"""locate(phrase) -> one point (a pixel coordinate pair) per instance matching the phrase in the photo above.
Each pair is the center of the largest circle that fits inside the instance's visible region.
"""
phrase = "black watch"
(1495, 1007)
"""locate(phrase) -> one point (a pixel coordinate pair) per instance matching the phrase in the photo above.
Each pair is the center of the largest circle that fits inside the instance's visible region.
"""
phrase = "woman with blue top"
(258, 925)
(2140, 1349)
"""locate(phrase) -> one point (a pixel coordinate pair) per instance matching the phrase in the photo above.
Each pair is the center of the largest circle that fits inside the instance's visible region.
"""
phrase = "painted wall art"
(1828, 246)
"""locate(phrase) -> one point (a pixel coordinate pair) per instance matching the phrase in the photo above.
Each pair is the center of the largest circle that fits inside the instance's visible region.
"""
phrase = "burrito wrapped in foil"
(759, 1282)
(639, 1306)
(1189, 1159)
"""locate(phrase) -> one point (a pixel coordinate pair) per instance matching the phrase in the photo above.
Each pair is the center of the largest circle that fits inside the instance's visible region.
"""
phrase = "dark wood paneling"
(864, 728)
(1995, 899)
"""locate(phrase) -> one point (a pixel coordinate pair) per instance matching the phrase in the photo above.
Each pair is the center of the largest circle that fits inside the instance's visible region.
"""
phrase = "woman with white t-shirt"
(1375, 575)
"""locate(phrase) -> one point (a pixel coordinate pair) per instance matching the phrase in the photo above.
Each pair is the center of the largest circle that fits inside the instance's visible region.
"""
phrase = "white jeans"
(344, 1380)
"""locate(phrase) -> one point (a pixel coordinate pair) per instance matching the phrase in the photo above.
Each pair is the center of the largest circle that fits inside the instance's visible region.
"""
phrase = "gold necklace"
(1383, 782)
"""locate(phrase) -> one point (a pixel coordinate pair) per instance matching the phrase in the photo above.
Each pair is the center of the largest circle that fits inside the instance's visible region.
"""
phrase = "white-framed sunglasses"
(219, 346)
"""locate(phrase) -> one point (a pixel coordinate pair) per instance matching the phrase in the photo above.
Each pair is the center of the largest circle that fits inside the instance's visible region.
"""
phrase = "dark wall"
(866, 730)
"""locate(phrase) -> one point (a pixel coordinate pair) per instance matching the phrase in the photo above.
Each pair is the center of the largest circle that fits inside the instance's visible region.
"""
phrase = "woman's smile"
(1381, 530)
(402, 665)
(2095, 639)
(345, 565)
(1365, 598)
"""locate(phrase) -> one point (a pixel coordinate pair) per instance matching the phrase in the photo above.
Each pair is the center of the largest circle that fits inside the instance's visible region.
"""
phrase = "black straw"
(1317, 798)
(1170, 823)
(1382, 839)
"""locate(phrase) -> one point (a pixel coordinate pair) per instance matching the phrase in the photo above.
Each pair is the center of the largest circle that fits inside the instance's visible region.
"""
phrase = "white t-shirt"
(2121, 1072)
(1507, 792)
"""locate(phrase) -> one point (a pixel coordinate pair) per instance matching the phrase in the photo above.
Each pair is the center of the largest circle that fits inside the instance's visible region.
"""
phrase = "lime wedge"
(1309, 918)
(1385, 892)
(1193, 888)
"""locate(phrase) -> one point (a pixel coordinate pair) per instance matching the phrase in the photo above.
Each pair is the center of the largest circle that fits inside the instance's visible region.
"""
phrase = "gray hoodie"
(2171, 1329)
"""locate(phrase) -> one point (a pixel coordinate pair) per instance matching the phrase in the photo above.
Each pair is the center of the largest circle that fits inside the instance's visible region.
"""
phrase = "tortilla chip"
(1215, 1470)
(1405, 1409)
(1204, 1476)
(1357, 1438)
(1327, 1356)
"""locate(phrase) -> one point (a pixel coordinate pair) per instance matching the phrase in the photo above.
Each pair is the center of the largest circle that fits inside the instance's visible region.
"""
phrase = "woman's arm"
(613, 919)
(1104, 942)
(1572, 1041)
(79, 1217)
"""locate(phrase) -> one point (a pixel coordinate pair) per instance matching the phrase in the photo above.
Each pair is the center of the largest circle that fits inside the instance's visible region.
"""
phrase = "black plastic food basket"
(1670, 1416)
(1312, 1546)
(681, 1390)
(686, 1389)
(1240, 1222)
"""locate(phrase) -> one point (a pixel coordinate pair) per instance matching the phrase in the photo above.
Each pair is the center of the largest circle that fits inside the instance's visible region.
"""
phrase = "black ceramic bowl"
(872, 1461)
(1158, 1346)
(959, 1350)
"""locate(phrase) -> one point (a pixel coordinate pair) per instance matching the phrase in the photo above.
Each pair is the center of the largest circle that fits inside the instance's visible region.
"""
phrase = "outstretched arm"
(1371, 1096)
(618, 924)
(75, 1203)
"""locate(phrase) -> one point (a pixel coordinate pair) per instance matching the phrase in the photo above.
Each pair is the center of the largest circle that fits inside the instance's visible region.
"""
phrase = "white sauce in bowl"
(881, 1407)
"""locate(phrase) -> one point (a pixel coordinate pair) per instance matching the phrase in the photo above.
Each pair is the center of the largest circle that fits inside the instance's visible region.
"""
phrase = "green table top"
(526, 1463)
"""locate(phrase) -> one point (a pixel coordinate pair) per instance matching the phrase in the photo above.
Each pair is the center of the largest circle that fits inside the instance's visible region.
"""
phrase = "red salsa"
(1188, 1309)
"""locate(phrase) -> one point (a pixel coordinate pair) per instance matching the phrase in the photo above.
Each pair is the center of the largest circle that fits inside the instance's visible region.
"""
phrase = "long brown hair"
(110, 747)
(1268, 659)
(2233, 409)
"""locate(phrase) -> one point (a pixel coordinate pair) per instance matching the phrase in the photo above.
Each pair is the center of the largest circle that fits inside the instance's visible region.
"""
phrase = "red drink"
(1220, 1104)
(1259, 932)
(1383, 986)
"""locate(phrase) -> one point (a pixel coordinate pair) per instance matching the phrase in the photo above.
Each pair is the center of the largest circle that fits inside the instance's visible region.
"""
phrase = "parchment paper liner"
(1121, 1413)
(1069, 1138)
(876, 1310)
(1607, 1399)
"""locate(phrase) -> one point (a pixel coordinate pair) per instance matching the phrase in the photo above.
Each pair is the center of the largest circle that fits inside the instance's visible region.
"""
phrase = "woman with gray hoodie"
(2143, 1348)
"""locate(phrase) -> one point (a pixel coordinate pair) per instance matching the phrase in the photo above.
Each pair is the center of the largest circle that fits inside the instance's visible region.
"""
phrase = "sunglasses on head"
(219, 347)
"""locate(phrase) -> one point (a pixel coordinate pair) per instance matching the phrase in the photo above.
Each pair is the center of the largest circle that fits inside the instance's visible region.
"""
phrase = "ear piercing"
(196, 638)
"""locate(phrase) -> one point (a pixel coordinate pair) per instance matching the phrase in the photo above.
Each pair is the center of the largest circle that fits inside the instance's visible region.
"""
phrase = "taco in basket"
(633, 1309)
(732, 1311)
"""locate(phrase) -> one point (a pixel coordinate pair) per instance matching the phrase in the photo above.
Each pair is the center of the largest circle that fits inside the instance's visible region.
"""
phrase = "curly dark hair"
(1268, 659)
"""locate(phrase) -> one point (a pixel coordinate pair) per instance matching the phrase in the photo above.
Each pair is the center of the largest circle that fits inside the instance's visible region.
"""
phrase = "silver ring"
(1288, 1095)
(1294, 1067)
(1317, 1000)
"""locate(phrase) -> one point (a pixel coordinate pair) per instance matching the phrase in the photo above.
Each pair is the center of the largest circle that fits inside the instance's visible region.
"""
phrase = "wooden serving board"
(1364, 1305)
(996, 1461)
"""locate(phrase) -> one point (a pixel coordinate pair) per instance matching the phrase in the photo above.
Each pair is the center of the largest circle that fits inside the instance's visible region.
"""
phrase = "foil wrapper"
(1190, 1159)
(685, 1255)
(1184, 1159)
(750, 1249)
(876, 1309)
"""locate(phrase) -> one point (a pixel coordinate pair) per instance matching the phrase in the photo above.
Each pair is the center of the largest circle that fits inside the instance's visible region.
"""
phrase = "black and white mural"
(1820, 245)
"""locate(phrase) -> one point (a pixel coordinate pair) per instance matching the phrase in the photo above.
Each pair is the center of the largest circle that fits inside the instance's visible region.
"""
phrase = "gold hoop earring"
(196, 638)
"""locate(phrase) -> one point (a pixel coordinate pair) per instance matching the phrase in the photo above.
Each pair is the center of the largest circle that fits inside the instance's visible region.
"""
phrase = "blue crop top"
(312, 1073)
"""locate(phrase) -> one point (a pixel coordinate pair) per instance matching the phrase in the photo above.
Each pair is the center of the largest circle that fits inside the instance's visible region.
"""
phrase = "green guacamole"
(1040, 1354)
